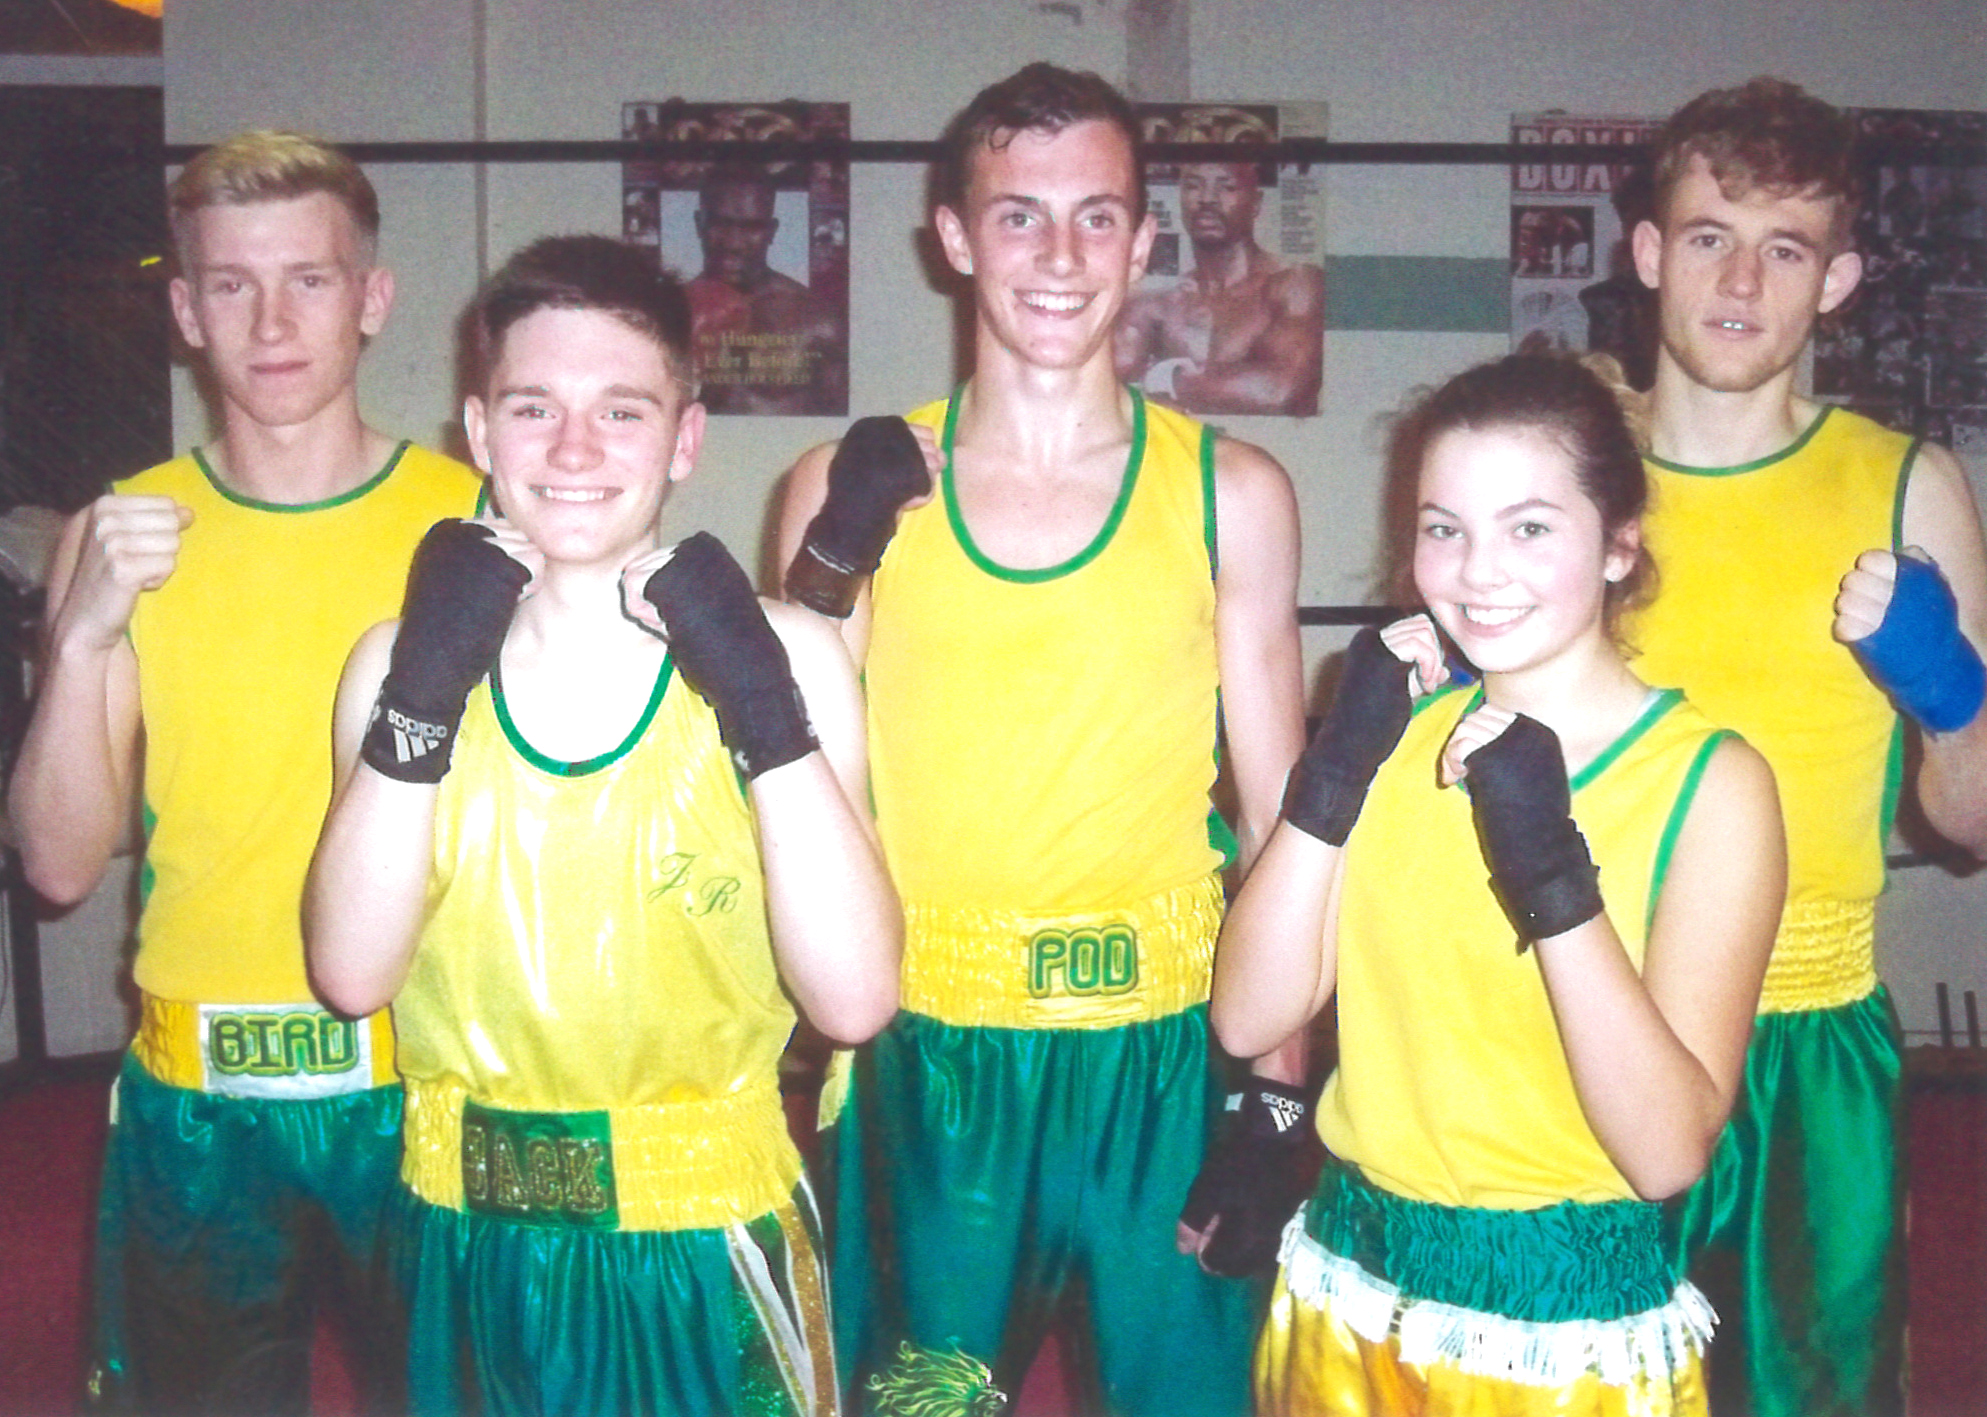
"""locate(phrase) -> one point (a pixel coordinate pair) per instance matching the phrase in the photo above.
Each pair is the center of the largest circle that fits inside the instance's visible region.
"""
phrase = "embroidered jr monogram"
(672, 871)
(706, 895)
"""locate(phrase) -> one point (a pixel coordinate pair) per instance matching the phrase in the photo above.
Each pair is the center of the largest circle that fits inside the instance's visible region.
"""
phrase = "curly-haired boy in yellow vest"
(1821, 576)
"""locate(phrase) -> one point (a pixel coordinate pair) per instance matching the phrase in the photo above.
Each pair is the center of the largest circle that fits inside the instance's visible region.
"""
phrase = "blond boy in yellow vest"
(203, 609)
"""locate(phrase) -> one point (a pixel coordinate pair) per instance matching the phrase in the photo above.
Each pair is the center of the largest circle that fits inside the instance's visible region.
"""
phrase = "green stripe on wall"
(1431, 294)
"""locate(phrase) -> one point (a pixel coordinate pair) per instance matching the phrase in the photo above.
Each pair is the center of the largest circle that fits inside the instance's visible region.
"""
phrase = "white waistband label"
(288, 1051)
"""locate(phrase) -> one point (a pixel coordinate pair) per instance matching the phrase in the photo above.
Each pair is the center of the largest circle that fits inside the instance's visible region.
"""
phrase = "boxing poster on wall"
(763, 248)
(1573, 281)
(1230, 317)
(1910, 347)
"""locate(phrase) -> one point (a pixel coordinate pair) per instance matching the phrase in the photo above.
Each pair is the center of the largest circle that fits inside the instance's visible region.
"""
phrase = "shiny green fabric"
(506, 1319)
(1563, 1262)
(1795, 1233)
(986, 1176)
(223, 1224)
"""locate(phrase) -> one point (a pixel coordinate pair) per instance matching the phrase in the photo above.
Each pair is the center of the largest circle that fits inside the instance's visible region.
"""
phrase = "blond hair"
(1637, 408)
(266, 165)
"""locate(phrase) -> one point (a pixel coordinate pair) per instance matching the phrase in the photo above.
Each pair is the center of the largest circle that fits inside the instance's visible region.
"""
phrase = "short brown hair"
(1040, 98)
(586, 273)
(266, 165)
(1766, 133)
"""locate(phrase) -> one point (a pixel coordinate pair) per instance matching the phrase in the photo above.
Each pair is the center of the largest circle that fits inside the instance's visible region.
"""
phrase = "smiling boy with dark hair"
(593, 838)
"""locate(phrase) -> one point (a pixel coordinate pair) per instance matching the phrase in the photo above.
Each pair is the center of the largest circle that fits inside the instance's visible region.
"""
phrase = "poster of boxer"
(1230, 317)
(763, 248)
(1910, 347)
(1573, 281)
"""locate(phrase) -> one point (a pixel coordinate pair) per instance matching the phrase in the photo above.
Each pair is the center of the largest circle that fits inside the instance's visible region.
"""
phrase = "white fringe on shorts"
(1657, 1342)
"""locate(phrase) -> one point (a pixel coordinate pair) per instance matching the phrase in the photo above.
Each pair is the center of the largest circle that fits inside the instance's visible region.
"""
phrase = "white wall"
(83, 957)
(1409, 70)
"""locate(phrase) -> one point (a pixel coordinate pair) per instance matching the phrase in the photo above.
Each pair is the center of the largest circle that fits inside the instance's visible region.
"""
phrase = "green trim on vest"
(1220, 834)
(1081, 558)
(1428, 701)
(559, 768)
(392, 461)
(1893, 782)
(1903, 483)
(148, 877)
(1661, 703)
(1208, 529)
(1686, 794)
(1771, 458)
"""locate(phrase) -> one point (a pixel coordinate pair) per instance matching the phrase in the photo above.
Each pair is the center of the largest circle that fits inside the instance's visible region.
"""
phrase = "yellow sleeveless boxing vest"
(1042, 746)
(1751, 559)
(239, 655)
(596, 941)
(1452, 1085)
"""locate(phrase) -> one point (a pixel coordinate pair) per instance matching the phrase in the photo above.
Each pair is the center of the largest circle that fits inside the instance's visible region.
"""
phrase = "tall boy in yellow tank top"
(204, 608)
(1821, 576)
(1042, 645)
(590, 843)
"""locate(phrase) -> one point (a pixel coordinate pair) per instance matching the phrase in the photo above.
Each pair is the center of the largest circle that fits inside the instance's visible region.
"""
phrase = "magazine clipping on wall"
(1910, 347)
(1230, 317)
(1573, 281)
(762, 247)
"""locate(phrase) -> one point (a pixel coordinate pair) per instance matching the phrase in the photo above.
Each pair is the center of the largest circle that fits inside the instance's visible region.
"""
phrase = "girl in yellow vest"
(1544, 906)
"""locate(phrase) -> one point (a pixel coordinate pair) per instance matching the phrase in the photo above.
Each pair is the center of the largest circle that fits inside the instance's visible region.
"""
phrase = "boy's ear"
(689, 441)
(1141, 247)
(180, 296)
(377, 301)
(1844, 274)
(1645, 243)
(477, 430)
(952, 240)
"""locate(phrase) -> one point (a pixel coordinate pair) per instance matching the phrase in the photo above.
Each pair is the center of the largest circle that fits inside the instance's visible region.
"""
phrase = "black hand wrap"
(724, 648)
(877, 468)
(1259, 1169)
(461, 593)
(1539, 865)
(1328, 785)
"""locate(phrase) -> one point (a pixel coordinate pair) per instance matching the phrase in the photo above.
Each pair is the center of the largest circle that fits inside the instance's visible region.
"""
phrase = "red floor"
(1947, 1338)
(51, 1143)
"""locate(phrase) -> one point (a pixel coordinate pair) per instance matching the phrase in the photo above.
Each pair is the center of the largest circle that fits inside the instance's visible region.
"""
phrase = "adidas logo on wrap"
(413, 738)
(1285, 1113)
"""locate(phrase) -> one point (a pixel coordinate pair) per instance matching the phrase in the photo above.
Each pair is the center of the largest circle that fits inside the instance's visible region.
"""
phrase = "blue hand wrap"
(1918, 654)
